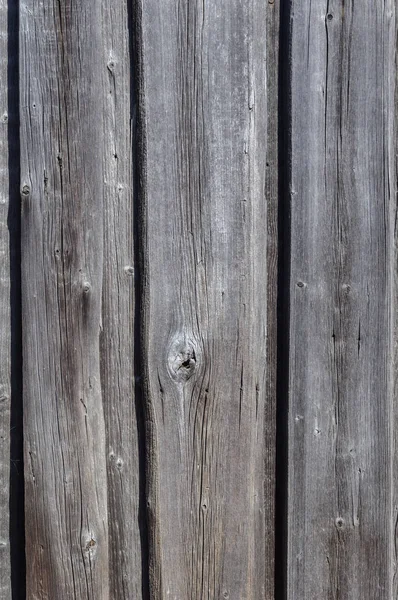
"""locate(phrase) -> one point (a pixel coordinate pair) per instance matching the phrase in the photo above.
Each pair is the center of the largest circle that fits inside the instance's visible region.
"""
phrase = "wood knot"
(129, 270)
(25, 190)
(183, 359)
(340, 523)
(90, 545)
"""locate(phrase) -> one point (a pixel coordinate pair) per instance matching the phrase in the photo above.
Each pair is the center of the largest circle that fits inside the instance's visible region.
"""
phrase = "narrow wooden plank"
(5, 316)
(341, 525)
(62, 246)
(210, 427)
(118, 358)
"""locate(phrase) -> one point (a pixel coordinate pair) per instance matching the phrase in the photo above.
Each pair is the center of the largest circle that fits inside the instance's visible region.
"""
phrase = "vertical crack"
(283, 300)
(137, 120)
(16, 498)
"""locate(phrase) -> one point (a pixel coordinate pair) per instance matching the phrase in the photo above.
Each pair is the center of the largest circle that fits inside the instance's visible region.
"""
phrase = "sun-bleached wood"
(62, 190)
(209, 409)
(341, 515)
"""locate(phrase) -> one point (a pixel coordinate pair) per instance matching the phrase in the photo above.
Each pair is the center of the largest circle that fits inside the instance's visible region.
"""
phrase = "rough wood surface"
(341, 525)
(209, 422)
(5, 316)
(62, 192)
(118, 350)
(155, 245)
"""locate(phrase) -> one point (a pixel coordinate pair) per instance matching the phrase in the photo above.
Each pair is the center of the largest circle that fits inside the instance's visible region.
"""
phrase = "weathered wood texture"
(5, 316)
(62, 139)
(118, 350)
(341, 522)
(155, 240)
(210, 423)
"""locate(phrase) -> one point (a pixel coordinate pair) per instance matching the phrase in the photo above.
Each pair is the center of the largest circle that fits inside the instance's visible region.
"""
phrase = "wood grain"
(209, 417)
(62, 193)
(119, 328)
(341, 522)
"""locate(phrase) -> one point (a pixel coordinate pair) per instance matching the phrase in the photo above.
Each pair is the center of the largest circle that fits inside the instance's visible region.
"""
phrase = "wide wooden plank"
(5, 316)
(118, 357)
(209, 422)
(62, 192)
(341, 522)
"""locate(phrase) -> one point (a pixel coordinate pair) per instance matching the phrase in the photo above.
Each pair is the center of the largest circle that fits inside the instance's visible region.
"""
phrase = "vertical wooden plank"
(210, 427)
(5, 316)
(118, 352)
(62, 249)
(341, 524)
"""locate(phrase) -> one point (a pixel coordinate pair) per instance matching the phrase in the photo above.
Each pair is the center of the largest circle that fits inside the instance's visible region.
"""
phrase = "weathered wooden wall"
(148, 277)
(197, 241)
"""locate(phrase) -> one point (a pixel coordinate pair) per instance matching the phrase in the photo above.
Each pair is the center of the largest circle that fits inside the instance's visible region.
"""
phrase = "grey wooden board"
(5, 317)
(341, 521)
(61, 71)
(209, 421)
(118, 309)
